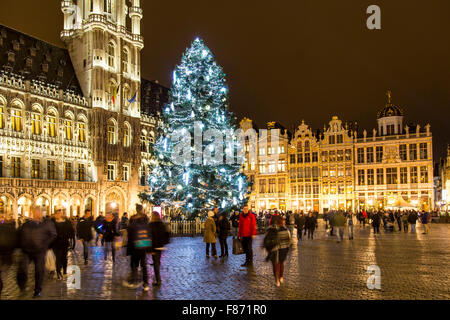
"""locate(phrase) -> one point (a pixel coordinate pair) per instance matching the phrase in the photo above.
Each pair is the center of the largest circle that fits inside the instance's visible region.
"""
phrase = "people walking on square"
(405, 221)
(300, 224)
(290, 222)
(209, 236)
(160, 237)
(398, 218)
(8, 242)
(234, 224)
(376, 221)
(64, 234)
(412, 219)
(138, 245)
(247, 232)
(278, 253)
(109, 235)
(339, 224)
(124, 221)
(84, 233)
(310, 225)
(350, 225)
(224, 230)
(425, 219)
(364, 218)
(35, 237)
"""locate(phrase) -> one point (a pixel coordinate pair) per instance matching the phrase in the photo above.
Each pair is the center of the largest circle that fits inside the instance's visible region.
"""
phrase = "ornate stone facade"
(75, 124)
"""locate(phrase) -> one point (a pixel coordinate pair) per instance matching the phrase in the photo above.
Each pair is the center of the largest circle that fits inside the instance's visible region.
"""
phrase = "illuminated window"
(68, 129)
(262, 186)
(423, 175)
(35, 169)
(370, 177)
(16, 120)
(126, 136)
(36, 123)
(370, 155)
(413, 175)
(404, 175)
(2, 116)
(272, 186)
(68, 171)
(380, 176)
(51, 125)
(15, 167)
(126, 173)
(423, 151)
(81, 172)
(391, 175)
(111, 172)
(111, 132)
(82, 132)
(361, 177)
(413, 152)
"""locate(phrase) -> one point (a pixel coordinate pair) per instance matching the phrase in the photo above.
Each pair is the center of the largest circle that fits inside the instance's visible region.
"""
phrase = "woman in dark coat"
(160, 237)
(109, 235)
(84, 232)
(310, 225)
(64, 234)
(224, 230)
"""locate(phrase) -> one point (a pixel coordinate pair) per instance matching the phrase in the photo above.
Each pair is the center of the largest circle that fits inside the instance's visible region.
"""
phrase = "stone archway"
(7, 204)
(75, 206)
(114, 202)
(44, 201)
(61, 201)
(24, 205)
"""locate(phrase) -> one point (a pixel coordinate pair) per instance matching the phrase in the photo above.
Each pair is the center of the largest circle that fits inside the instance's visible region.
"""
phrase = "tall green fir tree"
(198, 154)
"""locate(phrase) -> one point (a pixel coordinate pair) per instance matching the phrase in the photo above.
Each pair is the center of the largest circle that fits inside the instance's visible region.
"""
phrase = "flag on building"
(133, 99)
(115, 93)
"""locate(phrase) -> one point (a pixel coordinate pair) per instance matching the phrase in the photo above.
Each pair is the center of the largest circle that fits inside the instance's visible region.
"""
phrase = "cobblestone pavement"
(413, 266)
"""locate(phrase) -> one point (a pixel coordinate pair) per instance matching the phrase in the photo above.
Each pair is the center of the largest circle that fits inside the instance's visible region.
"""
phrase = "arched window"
(2, 114)
(68, 128)
(81, 131)
(108, 6)
(51, 124)
(111, 55)
(127, 135)
(16, 120)
(144, 141)
(36, 120)
(125, 63)
(111, 132)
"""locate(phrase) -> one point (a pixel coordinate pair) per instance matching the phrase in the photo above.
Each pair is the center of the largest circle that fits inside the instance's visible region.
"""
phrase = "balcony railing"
(46, 184)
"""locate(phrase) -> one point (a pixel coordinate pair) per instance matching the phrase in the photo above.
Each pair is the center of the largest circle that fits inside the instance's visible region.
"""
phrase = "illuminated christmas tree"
(197, 154)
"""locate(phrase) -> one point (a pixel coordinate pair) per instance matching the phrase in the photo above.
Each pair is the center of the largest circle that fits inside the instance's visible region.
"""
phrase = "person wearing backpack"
(277, 243)
(8, 242)
(138, 245)
(160, 237)
(35, 237)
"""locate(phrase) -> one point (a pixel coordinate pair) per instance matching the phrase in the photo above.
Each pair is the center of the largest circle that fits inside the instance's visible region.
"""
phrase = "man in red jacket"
(247, 231)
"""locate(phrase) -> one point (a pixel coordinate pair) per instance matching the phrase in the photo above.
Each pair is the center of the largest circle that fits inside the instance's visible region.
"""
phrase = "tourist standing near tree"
(224, 230)
(35, 237)
(64, 234)
(84, 233)
(209, 236)
(235, 224)
(247, 232)
(8, 242)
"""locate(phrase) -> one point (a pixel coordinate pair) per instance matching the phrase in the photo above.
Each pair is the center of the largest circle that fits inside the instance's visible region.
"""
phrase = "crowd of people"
(40, 238)
(142, 235)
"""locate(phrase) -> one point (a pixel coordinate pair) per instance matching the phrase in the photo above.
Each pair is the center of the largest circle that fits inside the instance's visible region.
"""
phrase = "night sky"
(299, 59)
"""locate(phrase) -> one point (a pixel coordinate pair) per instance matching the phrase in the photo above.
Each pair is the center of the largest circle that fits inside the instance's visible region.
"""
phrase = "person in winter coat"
(376, 221)
(339, 224)
(8, 242)
(300, 221)
(290, 222)
(209, 236)
(405, 221)
(247, 232)
(224, 230)
(350, 225)
(235, 224)
(35, 237)
(279, 252)
(160, 237)
(425, 219)
(64, 232)
(310, 225)
(84, 233)
(138, 245)
(124, 221)
(412, 219)
(109, 235)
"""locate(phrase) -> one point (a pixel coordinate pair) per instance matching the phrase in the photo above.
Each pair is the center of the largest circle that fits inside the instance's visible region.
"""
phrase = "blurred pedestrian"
(405, 221)
(64, 232)
(139, 243)
(35, 237)
(425, 219)
(247, 232)
(98, 226)
(224, 230)
(412, 219)
(160, 237)
(310, 225)
(8, 242)
(300, 224)
(84, 233)
(109, 235)
(376, 221)
(209, 236)
(350, 225)
(234, 224)
(339, 224)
